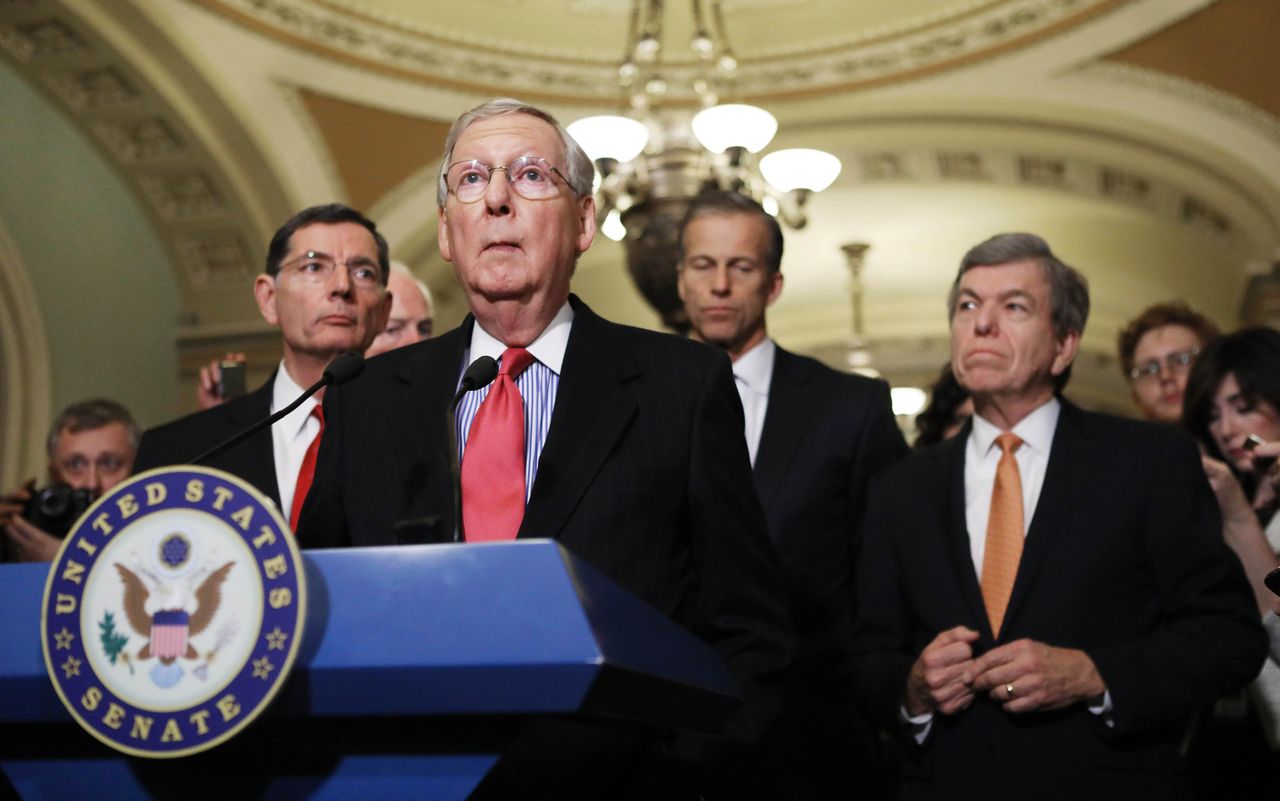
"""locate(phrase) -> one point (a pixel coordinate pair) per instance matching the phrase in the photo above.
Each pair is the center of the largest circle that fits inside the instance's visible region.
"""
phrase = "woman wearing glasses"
(1232, 406)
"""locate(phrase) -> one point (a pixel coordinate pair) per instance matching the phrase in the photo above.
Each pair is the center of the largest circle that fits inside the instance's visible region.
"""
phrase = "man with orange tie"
(325, 288)
(624, 445)
(1045, 598)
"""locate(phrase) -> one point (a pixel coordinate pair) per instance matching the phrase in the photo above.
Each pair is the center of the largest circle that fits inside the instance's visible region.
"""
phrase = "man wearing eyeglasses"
(1156, 352)
(325, 288)
(624, 445)
(91, 447)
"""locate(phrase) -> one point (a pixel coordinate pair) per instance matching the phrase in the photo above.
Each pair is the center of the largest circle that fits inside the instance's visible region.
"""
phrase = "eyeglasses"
(316, 268)
(529, 176)
(1176, 363)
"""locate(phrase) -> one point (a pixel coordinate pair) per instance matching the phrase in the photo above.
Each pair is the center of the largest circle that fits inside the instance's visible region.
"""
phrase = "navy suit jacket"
(1124, 559)
(184, 439)
(644, 473)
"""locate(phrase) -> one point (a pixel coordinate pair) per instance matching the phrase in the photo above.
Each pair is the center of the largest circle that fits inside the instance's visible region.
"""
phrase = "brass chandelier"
(652, 163)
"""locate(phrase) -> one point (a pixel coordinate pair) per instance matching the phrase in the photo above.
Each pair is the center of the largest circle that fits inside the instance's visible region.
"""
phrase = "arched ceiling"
(1142, 137)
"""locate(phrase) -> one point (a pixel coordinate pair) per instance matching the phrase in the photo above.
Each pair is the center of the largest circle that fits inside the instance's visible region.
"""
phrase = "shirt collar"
(548, 348)
(283, 392)
(755, 367)
(1035, 430)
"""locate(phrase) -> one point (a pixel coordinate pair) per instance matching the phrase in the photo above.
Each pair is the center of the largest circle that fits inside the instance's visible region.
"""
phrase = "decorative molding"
(215, 258)
(1108, 182)
(26, 381)
(194, 209)
(140, 141)
(97, 89)
(496, 67)
(1241, 112)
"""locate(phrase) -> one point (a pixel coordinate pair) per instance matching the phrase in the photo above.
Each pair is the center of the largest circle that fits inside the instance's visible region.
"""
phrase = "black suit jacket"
(186, 438)
(825, 434)
(1124, 559)
(644, 474)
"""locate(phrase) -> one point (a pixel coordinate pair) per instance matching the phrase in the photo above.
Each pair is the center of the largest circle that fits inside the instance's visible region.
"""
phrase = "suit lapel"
(1070, 461)
(254, 459)
(593, 408)
(784, 423)
(957, 533)
(425, 403)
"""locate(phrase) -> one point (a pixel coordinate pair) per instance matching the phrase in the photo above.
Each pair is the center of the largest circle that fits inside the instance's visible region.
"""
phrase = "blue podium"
(430, 672)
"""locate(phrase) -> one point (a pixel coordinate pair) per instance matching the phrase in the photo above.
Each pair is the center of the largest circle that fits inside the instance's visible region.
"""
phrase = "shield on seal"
(169, 633)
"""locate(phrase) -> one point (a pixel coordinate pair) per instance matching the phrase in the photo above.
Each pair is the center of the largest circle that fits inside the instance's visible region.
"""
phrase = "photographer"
(91, 448)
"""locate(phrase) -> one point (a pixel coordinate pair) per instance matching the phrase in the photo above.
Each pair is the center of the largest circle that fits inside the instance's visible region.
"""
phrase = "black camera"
(56, 508)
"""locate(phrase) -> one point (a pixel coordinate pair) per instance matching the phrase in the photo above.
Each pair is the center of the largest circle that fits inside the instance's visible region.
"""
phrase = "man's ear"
(1067, 348)
(775, 288)
(264, 292)
(384, 314)
(442, 235)
(587, 223)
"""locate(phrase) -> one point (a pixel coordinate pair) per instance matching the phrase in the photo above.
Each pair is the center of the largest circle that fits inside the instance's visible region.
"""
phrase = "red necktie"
(308, 472)
(1004, 533)
(493, 489)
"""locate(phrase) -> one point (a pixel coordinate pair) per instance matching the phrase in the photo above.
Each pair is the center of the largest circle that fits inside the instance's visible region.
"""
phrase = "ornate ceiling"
(1141, 137)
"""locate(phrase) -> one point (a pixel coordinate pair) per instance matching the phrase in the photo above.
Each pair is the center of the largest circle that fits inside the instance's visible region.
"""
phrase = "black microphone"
(478, 374)
(341, 370)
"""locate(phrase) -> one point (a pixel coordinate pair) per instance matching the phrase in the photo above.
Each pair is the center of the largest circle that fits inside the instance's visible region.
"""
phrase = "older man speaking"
(624, 445)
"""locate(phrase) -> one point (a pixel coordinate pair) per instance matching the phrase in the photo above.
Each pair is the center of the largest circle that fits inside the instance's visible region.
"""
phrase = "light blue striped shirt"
(537, 384)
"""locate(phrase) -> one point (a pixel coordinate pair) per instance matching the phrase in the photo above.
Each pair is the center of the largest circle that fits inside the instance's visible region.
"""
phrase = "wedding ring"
(1008, 688)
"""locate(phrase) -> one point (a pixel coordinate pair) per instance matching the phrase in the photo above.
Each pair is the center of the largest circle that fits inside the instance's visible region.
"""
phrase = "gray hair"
(581, 172)
(89, 415)
(403, 269)
(1068, 289)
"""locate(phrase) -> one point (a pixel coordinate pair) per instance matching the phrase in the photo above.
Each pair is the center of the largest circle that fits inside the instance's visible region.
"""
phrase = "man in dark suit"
(1044, 598)
(624, 445)
(815, 436)
(325, 289)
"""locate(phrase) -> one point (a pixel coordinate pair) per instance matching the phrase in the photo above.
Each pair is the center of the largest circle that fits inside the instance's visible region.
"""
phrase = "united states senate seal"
(173, 611)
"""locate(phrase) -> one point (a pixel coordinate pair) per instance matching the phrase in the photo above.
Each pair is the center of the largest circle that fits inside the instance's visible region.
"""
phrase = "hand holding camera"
(35, 520)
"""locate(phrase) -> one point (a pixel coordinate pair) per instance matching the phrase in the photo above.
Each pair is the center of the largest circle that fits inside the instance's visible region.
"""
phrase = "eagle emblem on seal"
(169, 613)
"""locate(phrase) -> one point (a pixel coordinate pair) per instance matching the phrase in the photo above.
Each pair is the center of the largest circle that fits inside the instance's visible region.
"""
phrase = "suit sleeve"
(880, 444)
(742, 600)
(1210, 641)
(150, 453)
(882, 646)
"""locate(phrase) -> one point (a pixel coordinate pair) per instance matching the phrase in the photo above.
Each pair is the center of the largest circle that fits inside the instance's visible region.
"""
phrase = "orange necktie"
(1004, 534)
(493, 487)
(308, 472)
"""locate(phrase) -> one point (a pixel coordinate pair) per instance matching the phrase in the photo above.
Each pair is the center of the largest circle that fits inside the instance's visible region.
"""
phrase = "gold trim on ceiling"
(987, 31)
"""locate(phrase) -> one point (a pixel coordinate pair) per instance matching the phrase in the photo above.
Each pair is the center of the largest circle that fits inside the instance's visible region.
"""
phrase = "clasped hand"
(946, 677)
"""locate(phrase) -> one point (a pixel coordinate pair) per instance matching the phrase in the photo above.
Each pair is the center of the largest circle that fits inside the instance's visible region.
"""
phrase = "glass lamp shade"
(733, 124)
(800, 168)
(610, 136)
(908, 400)
(613, 227)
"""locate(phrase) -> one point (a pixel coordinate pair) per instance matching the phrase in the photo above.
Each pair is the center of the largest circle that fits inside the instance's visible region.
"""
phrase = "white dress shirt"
(982, 455)
(753, 375)
(291, 435)
(538, 386)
